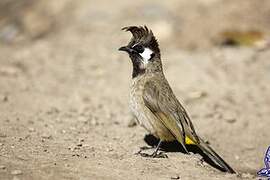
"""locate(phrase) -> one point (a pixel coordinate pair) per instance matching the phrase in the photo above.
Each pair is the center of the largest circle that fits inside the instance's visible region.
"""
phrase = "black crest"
(143, 35)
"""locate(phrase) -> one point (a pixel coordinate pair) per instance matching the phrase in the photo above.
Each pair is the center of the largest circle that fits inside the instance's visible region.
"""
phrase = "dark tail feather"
(213, 156)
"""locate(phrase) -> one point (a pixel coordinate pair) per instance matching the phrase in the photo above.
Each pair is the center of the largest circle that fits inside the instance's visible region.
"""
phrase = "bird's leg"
(155, 153)
(185, 149)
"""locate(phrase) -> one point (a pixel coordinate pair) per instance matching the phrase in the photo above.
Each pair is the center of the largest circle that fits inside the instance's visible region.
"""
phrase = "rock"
(132, 123)
(80, 145)
(16, 172)
(230, 118)
(46, 136)
(4, 98)
(94, 122)
(197, 94)
(109, 149)
(30, 129)
(2, 167)
(175, 177)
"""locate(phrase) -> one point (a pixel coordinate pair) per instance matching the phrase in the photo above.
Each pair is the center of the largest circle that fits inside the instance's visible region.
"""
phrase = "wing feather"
(164, 105)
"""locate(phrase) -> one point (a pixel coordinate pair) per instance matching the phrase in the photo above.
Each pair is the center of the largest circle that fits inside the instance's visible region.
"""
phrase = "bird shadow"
(175, 146)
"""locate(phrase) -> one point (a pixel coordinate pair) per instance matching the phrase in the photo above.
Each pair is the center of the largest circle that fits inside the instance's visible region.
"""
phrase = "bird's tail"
(210, 153)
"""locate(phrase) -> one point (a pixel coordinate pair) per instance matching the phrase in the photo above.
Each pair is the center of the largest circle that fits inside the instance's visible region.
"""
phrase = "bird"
(152, 100)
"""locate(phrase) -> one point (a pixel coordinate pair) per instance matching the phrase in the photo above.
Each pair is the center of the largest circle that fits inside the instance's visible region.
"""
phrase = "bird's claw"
(153, 155)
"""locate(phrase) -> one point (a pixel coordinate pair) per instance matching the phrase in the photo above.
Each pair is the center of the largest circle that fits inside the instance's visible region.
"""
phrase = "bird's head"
(143, 50)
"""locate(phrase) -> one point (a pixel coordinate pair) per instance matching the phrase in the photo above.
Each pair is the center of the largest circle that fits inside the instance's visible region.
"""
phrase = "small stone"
(94, 122)
(197, 94)
(230, 117)
(80, 145)
(5, 98)
(16, 172)
(46, 136)
(132, 123)
(2, 167)
(175, 177)
(30, 129)
(109, 149)
(232, 120)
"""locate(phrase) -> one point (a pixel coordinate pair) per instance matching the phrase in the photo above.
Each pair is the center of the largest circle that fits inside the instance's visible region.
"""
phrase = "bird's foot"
(153, 155)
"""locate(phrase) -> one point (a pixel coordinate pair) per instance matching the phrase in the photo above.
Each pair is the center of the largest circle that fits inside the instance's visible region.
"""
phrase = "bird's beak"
(125, 48)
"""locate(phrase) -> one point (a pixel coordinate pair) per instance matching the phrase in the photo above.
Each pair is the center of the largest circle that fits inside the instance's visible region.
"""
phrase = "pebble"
(4, 98)
(16, 172)
(80, 145)
(31, 129)
(197, 94)
(175, 177)
(230, 117)
(109, 149)
(2, 167)
(132, 123)
(231, 120)
(94, 122)
(46, 136)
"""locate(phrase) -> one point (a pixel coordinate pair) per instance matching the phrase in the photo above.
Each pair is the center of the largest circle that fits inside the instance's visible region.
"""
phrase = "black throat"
(137, 70)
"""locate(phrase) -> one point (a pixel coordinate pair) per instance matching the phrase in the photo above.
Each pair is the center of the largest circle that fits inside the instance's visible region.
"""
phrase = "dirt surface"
(64, 88)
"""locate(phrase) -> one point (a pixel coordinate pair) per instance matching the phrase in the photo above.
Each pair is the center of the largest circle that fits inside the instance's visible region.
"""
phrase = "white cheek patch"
(146, 55)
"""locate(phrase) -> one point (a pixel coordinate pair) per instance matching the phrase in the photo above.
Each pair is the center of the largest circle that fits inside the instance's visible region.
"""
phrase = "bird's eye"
(139, 48)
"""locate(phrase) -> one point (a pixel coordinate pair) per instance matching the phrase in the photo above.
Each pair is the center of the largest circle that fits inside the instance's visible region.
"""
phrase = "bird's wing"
(163, 104)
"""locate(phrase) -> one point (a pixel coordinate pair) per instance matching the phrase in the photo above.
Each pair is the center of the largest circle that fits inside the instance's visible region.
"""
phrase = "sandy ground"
(64, 88)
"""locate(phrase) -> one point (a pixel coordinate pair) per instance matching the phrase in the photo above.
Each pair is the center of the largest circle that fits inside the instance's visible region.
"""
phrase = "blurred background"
(192, 25)
(64, 86)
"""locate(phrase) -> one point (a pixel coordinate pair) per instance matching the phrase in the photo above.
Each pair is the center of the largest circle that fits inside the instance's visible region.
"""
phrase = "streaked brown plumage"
(153, 101)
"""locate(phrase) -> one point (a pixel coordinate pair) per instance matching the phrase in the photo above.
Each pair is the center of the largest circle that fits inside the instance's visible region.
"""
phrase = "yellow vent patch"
(189, 141)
